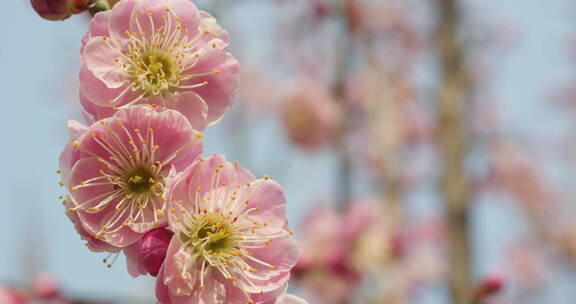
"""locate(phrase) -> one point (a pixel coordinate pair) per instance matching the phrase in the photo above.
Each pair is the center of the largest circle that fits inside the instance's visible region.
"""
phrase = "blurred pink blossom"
(310, 115)
(46, 287)
(338, 249)
(11, 296)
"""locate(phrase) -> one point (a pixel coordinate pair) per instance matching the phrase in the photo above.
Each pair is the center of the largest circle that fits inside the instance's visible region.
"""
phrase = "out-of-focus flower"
(11, 296)
(147, 256)
(527, 264)
(337, 250)
(167, 53)
(46, 287)
(422, 260)
(310, 115)
(231, 239)
(513, 170)
(58, 9)
(115, 172)
(368, 235)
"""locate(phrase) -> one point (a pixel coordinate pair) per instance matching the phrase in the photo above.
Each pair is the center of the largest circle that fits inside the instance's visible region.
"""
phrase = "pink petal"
(133, 260)
(97, 112)
(212, 30)
(291, 299)
(269, 197)
(190, 15)
(98, 27)
(83, 170)
(97, 92)
(172, 278)
(281, 253)
(155, 10)
(93, 243)
(192, 106)
(119, 20)
(75, 128)
(221, 87)
(101, 55)
(162, 291)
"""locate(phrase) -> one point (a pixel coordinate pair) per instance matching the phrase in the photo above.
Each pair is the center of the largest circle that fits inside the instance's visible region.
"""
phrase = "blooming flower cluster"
(154, 74)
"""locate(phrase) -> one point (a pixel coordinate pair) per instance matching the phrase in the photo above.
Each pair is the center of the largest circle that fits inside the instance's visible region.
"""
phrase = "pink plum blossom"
(368, 235)
(166, 53)
(310, 115)
(230, 236)
(324, 267)
(115, 172)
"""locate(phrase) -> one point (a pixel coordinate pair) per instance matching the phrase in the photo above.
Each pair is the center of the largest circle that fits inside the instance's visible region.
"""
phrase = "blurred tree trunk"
(452, 141)
(343, 65)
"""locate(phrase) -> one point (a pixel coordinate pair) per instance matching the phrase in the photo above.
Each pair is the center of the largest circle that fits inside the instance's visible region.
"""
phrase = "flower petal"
(222, 82)
(101, 54)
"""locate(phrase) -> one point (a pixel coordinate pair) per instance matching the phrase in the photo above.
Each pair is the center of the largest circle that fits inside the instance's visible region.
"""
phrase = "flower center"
(210, 234)
(154, 72)
(140, 181)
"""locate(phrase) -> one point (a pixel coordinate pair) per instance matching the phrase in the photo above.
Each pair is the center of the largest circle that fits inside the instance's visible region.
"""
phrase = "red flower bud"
(153, 247)
(58, 9)
(488, 287)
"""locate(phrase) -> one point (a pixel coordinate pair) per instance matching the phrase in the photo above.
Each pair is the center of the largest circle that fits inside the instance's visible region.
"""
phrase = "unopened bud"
(488, 287)
(58, 9)
(153, 249)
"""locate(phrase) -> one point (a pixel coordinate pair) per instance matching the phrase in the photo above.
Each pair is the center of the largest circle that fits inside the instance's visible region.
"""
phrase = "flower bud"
(58, 9)
(153, 247)
(488, 287)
